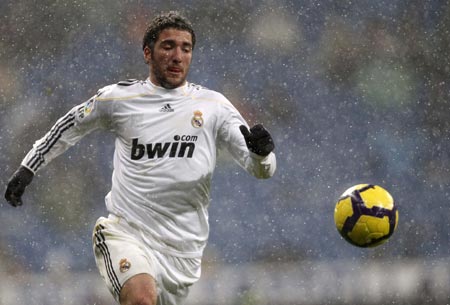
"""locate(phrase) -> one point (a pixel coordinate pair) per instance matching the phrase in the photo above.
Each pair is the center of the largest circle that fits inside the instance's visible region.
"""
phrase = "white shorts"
(120, 254)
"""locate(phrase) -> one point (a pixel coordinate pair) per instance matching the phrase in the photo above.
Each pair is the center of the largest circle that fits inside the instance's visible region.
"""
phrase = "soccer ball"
(365, 215)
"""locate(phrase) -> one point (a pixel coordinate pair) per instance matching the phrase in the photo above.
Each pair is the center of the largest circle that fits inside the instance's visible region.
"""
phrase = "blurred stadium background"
(352, 91)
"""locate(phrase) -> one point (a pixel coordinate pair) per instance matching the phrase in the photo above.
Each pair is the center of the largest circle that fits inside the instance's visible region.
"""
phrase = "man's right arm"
(67, 131)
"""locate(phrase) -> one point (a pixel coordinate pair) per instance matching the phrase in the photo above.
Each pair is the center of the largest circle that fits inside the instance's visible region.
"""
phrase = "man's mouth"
(175, 70)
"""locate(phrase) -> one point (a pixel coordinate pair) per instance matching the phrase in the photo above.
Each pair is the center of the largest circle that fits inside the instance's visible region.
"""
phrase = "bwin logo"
(176, 149)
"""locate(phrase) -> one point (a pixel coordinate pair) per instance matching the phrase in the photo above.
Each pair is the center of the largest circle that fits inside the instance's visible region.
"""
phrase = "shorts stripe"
(100, 243)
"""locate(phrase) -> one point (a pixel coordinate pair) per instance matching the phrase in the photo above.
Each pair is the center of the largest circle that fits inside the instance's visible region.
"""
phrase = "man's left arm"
(261, 161)
(251, 148)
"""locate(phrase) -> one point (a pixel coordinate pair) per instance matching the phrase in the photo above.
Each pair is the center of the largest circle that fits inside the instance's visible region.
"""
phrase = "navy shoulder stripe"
(128, 82)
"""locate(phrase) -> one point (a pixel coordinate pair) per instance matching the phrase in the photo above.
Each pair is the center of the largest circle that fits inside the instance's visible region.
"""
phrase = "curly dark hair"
(164, 21)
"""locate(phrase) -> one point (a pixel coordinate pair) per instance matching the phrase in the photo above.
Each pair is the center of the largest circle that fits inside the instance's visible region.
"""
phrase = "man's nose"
(177, 54)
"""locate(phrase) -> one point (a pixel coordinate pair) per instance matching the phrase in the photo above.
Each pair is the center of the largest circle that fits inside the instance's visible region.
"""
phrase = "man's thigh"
(139, 289)
(119, 256)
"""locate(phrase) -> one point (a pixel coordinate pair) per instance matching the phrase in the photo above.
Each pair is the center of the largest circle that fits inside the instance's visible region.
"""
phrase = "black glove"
(258, 139)
(17, 184)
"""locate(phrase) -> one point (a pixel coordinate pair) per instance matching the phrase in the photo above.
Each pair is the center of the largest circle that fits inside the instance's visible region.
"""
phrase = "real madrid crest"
(124, 265)
(197, 119)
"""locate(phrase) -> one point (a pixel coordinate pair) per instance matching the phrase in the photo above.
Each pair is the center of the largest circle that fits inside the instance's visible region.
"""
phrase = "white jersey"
(165, 154)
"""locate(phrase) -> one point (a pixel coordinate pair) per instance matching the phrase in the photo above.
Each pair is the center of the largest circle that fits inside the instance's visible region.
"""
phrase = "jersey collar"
(159, 89)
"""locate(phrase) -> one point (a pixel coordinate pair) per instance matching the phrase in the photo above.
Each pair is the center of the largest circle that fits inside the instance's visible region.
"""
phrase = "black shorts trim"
(103, 248)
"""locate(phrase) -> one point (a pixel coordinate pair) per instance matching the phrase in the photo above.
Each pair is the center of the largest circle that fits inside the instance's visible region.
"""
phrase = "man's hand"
(17, 184)
(258, 139)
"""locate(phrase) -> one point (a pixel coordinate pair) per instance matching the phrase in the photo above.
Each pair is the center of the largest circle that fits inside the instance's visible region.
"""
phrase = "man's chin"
(172, 83)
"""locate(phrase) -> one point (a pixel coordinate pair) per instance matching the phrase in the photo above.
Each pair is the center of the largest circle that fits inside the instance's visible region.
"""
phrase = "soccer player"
(167, 132)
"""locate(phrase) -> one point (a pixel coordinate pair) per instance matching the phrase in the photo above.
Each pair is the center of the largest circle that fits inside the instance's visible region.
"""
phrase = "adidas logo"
(166, 108)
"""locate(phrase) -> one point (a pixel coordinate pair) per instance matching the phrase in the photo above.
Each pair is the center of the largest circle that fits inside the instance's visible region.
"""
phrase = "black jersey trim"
(55, 133)
(128, 82)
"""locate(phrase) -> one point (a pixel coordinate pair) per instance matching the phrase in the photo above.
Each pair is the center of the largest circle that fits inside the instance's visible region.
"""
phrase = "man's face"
(171, 58)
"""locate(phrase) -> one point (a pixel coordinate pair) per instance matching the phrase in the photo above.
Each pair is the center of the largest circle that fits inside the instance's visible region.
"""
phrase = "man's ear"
(147, 55)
